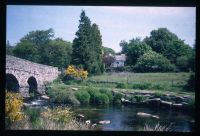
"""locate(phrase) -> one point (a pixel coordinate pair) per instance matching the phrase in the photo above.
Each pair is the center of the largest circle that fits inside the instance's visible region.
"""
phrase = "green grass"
(158, 81)
(153, 78)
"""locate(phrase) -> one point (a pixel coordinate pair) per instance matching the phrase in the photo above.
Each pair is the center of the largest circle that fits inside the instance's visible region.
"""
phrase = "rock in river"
(80, 116)
(102, 122)
(142, 114)
(166, 104)
(154, 102)
(45, 97)
(177, 106)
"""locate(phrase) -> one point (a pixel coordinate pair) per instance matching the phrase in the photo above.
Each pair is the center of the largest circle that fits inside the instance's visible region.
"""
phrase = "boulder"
(74, 89)
(80, 116)
(26, 104)
(166, 104)
(124, 101)
(185, 104)
(142, 114)
(87, 122)
(155, 116)
(147, 95)
(154, 102)
(177, 106)
(94, 125)
(45, 97)
(177, 99)
(102, 122)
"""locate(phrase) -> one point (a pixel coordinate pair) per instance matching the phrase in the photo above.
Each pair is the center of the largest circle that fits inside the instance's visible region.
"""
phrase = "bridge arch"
(12, 84)
(33, 85)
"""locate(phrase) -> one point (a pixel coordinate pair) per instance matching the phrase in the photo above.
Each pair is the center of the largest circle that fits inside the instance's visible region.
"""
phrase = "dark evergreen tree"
(82, 42)
(97, 50)
(87, 46)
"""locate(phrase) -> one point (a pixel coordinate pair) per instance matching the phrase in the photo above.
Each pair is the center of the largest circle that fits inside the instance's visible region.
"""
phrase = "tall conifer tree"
(87, 46)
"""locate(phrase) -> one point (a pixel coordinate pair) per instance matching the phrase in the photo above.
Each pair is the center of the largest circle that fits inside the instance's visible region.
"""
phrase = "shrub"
(138, 98)
(182, 63)
(58, 114)
(74, 72)
(60, 93)
(153, 62)
(142, 86)
(117, 98)
(33, 114)
(158, 94)
(102, 99)
(13, 106)
(93, 94)
(108, 93)
(121, 85)
(83, 96)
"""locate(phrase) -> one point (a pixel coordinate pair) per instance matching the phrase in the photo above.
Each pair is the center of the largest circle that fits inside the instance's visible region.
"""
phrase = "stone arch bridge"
(28, 77)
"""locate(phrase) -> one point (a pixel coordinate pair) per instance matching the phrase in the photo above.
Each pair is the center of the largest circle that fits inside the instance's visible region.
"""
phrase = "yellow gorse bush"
(77, 73)
(13, 105)
(58, 114)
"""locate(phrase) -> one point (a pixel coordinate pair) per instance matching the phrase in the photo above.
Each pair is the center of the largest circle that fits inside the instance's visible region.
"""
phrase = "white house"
(119, 61)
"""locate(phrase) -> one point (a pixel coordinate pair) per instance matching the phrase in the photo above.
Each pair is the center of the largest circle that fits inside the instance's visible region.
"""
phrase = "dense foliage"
(57, 53)
(107, 51)
(153, 62)
(83, 96)
(169, 45)
(134, 49)
(92, 95)
(38, 46)
(87, 46)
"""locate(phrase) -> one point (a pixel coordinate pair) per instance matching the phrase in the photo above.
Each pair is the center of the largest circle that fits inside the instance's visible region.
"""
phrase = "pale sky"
(115, 23)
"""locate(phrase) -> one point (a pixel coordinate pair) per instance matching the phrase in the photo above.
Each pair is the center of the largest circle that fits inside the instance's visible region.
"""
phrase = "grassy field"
(162, 82)
(153, 78)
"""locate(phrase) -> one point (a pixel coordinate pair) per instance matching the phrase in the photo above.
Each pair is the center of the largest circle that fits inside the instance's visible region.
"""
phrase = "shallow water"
(124, 118)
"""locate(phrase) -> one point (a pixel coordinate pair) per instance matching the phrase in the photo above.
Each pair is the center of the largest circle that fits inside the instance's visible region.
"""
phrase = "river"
(124, 117)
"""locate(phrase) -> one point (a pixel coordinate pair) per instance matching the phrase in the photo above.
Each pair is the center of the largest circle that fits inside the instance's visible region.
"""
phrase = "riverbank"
(75, 95)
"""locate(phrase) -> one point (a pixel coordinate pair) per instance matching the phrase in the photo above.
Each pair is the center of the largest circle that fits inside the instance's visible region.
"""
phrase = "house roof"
(121, 57)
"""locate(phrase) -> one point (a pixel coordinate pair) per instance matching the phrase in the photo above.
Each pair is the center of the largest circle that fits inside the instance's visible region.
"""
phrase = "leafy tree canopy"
(167, 43)
(107, 51)
(38, 46)
(57, 53)
(153, 62)
(39, 37)
(134, 49)
(26, 50)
